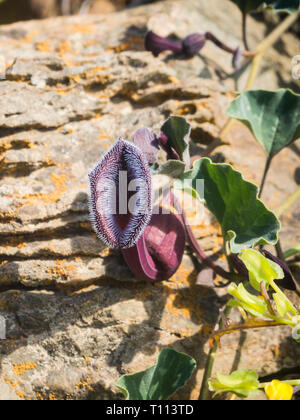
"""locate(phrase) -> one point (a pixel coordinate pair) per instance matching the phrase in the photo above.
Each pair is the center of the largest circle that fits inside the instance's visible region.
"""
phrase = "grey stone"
(76, 318)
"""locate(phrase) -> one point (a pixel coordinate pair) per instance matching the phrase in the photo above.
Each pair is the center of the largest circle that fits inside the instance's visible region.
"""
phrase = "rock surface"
(76, 317)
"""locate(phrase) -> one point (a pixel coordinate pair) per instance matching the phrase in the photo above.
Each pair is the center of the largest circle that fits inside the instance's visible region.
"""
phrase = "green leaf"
(160, 381)
(283, 305)
(178, 131)
(289, 6)
(244, 219)
(172, 168)
(251, 303)
(260, 268)
(272, 117)
(241, 382)
(247, 6)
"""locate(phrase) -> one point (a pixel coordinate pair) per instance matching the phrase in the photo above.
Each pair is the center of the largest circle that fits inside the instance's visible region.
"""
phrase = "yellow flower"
(279, 391)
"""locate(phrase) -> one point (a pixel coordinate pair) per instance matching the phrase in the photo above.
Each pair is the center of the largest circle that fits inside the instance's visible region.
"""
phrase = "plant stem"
(202, 255)
(229, 262)
(196, 247)
(209, 36)
(295, 382)
(288, 203)
(244, 25)
(266, 171)
(291, 252)
(204, 392)
(258, 56)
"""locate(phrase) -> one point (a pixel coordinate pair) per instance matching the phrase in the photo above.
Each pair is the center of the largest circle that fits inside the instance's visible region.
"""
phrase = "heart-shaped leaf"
(178, 130)
(244, 219)
(272, 117)
(160, 381)
(172, 168)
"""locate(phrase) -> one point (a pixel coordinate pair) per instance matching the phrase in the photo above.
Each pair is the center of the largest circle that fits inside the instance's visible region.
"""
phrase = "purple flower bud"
(157, 44)
(193, 43)
(165, 144)
(288, 282)
(147, 141)
(121, 195)
(159, 251)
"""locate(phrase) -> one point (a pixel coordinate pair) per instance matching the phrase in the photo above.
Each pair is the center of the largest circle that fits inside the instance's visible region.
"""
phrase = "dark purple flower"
(147, 141)
(288, 282)
(157, 44)
(165, 144)
(193, 43)
(160, 249)
(121, 195)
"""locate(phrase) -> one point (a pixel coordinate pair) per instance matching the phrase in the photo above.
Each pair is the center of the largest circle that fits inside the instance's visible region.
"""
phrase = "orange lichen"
(43, 46)
(84, 384)
(12, 384)
(63, 48)
(19, 370)
(29, 37)
(83, 29)
(133, 43)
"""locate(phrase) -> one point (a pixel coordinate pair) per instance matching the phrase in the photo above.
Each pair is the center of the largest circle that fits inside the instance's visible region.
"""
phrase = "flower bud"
(279, 391)
(147, 141)
(193, 43)
(157, 44)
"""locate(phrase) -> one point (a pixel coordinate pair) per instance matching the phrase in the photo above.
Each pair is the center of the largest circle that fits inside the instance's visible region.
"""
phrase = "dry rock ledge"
(76, 319)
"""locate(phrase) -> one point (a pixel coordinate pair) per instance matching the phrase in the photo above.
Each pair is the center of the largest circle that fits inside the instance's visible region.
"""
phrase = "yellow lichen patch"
(19, 370)
(43, 46)
(94, 71)
(84, 384)
(60, 270)
(83, 29)
(63, 48)
(133, 43)
(12, 384)
(29, 37)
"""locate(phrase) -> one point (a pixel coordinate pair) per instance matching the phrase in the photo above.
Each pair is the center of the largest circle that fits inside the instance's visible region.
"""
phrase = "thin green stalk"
(288, 203)
(291, 252)
(295, 382)
(204, 392)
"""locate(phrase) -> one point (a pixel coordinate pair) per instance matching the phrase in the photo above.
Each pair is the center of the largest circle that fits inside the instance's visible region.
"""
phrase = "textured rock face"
(76, 317)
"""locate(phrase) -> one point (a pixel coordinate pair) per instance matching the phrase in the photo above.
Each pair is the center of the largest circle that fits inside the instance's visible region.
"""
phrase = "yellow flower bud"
(279, 391)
